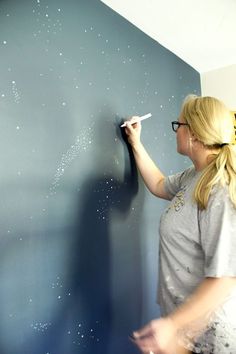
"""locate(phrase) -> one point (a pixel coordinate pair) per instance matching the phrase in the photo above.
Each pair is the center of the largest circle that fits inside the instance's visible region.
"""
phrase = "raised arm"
(152, 176)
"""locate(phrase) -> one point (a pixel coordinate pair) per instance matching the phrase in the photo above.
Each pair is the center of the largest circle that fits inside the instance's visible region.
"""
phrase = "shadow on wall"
(90, 275)
(91, 263)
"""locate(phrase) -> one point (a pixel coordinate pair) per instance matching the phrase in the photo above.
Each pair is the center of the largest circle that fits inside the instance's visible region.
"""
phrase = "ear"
(192, 136)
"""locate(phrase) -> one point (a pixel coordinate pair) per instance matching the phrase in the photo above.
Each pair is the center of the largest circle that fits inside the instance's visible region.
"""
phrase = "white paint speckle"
(82, 143)
(40, 327)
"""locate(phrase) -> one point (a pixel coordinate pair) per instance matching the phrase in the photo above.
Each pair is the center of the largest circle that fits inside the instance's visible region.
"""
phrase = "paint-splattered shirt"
(195, 244)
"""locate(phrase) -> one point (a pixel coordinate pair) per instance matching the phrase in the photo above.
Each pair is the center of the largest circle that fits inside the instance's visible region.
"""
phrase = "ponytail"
(211, 122)
(221, 170)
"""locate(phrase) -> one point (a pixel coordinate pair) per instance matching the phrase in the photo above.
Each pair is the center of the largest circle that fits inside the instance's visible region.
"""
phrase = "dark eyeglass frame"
(175, 125)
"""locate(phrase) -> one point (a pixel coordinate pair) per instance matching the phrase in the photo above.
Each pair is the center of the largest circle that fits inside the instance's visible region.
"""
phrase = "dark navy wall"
(79, 232)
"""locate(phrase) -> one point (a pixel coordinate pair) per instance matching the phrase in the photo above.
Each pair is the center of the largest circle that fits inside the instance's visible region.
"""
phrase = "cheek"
(178, 143)
(182, 143)
(179, 138)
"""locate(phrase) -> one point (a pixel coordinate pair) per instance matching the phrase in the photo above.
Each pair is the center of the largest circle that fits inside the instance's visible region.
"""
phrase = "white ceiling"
(201, 32)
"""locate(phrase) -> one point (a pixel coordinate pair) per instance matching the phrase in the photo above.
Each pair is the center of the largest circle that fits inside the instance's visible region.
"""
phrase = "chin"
(181, 151)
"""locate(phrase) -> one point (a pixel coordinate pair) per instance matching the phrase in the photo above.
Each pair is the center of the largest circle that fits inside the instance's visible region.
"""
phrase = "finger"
(147, 345)
(135, 125)
(133, 120)
(146, 331)
(129, 127)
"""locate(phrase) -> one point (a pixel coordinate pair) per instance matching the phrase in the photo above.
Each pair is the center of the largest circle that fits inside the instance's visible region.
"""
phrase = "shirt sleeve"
(174, 182)
(218, 235)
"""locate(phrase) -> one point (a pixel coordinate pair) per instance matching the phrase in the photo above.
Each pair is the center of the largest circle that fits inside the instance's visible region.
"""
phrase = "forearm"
(162, 335)
(207, 297)
(147, 168)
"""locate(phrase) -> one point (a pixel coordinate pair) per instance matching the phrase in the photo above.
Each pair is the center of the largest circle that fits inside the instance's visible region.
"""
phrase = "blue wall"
(79, 232)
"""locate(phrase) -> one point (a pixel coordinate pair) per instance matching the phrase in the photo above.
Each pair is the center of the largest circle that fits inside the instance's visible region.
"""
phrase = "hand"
(159, 337)
(133, 131)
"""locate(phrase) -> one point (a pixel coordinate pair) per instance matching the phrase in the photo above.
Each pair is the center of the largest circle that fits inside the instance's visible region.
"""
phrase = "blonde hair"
(212, 124)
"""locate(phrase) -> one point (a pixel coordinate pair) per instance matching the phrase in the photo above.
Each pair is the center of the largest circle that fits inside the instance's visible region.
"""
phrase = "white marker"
(146, 116)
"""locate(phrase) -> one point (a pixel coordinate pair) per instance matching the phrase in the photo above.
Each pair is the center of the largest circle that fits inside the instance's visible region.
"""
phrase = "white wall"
(221, 83)
(217, 26)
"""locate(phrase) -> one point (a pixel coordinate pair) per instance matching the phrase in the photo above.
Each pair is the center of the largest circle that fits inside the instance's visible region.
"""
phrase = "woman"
(197, 270)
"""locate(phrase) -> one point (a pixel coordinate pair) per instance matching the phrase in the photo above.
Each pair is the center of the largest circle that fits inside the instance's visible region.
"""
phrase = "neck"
(199, 166)
(202, 158)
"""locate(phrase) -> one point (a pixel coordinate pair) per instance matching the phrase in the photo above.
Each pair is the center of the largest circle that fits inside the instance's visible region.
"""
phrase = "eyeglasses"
(176, 125)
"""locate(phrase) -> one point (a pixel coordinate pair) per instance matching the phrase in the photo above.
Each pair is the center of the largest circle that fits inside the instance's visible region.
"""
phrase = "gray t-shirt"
(195, 244)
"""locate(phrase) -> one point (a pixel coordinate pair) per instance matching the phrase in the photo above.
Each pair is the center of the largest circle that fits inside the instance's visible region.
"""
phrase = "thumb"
(129, 127)
(146, 331)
